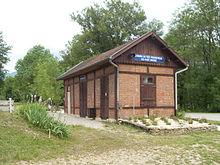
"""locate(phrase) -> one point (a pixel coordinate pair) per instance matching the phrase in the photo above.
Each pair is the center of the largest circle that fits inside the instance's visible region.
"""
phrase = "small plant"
(144, 121)
(130, 118)
(190, 121)
(147, 124)
(181, 114)
(203, 121)
(152, 117)
(135, 120)
(165, 121)
(155, 122)
(174, 117)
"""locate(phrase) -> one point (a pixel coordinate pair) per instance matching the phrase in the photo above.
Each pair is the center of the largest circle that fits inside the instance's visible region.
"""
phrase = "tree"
(10, 89)
(104, 28)
(45, 83)
(27, 69)
(4, 50)
(194, 33)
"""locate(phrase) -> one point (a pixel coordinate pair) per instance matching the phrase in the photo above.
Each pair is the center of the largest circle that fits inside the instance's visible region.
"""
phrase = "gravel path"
(76, 120)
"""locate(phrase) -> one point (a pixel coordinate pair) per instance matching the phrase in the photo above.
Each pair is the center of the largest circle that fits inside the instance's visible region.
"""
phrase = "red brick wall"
(160, 70)
(133, 68)
(112, 90)
(112, 113)
(90, 75)
(90, 94)
(126, 113)
(162, 112)
(99, 72)
(129, 90)
(97, 112)
(165, 91)
(77, 111)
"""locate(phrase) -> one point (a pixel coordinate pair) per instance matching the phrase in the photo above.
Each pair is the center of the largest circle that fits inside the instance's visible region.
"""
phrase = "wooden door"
(83, 96)
(148, 91)
(104, 97)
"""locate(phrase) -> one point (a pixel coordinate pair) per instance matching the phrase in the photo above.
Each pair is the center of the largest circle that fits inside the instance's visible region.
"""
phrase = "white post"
(10, 105)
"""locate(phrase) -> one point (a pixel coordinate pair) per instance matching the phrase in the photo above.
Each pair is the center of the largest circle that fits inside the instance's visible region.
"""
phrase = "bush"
(37, 115)
(154, 122)
(147, 124)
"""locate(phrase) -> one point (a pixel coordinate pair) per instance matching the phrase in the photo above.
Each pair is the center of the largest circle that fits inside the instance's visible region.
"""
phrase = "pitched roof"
(112, 54)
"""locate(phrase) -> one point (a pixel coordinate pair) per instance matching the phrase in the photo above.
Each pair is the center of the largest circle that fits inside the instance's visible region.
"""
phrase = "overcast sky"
(26, 23)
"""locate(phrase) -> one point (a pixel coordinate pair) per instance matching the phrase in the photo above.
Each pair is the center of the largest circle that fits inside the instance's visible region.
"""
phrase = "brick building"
(134, 79)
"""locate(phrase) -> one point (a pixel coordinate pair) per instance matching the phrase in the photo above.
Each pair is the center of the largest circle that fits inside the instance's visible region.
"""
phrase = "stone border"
(175, 131)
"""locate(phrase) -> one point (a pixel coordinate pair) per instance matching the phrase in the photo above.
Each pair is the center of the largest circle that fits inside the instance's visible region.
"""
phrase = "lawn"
(20, 141)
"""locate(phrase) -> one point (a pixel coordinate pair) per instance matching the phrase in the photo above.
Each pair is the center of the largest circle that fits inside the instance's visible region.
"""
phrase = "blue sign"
(148, 58)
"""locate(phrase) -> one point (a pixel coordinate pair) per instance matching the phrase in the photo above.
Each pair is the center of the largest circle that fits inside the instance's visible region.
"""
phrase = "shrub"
(147, 124)
(154, 122)
(144, 121)
(37, 115)
(130, 118)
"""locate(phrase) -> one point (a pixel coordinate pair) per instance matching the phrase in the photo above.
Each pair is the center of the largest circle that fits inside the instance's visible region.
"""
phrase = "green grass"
(214, 122)
(21, 141)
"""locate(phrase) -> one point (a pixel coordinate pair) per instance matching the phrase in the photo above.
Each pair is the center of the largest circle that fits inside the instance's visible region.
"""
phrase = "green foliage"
(181, 114)
(27, 69)
(4, 50)
(37, 115)
(105, 27)
(45, 83)
(10, 89)
(155, 123)
(174, 117)
(147, 124)
(152, 117)
(36, 75)
(144, 121)
(194, 34)
(165, 121)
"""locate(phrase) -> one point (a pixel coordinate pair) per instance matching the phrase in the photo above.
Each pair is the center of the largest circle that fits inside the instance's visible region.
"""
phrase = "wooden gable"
(153, 47)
